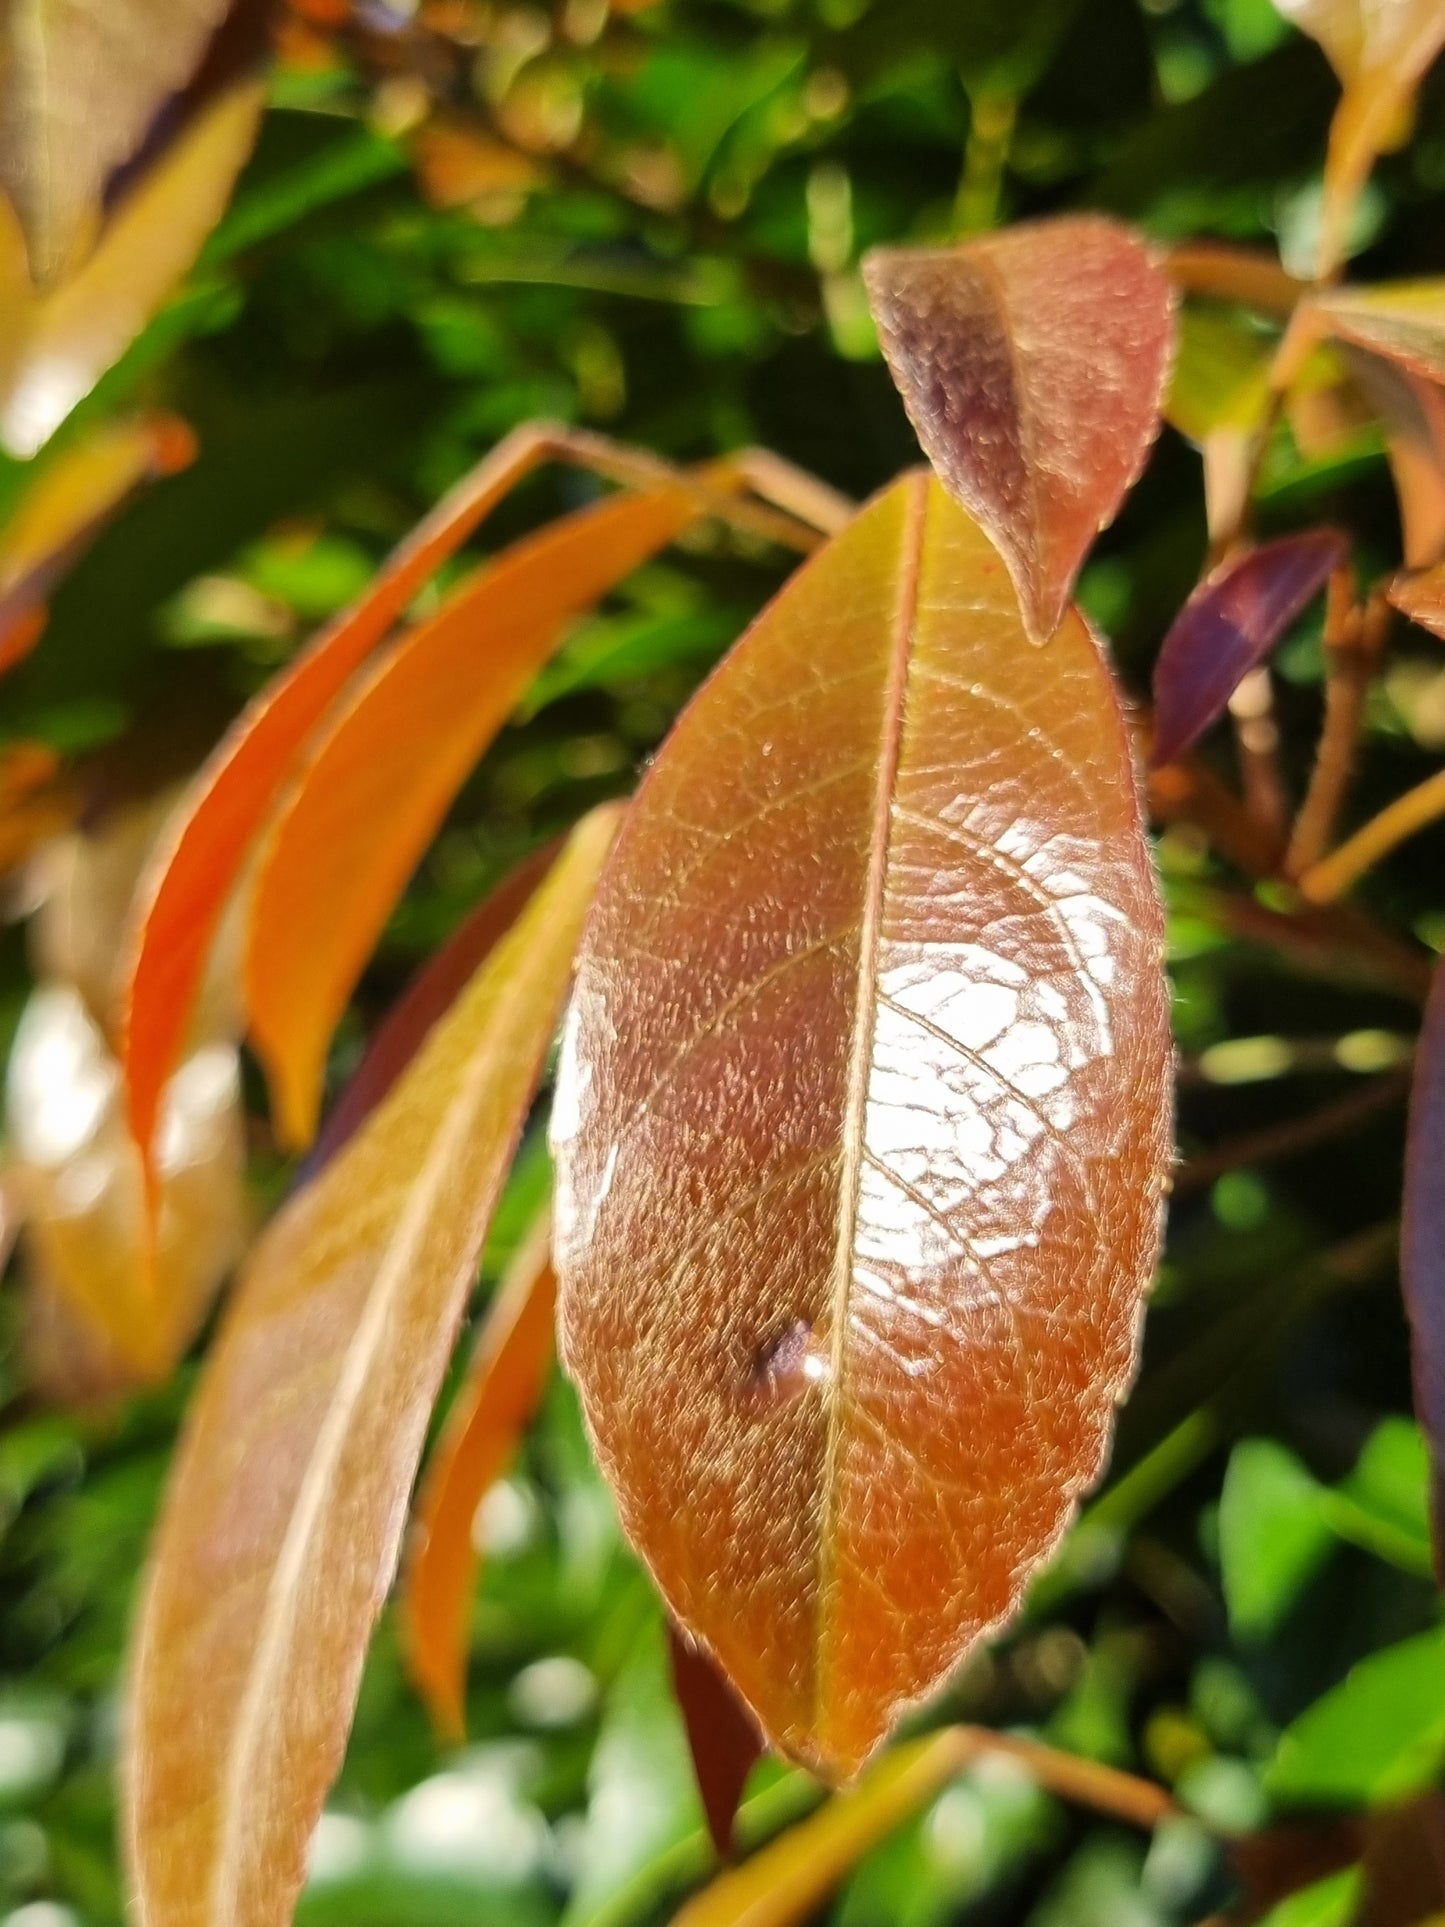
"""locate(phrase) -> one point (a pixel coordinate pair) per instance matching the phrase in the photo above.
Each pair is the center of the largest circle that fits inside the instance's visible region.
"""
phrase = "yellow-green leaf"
(280, 1531)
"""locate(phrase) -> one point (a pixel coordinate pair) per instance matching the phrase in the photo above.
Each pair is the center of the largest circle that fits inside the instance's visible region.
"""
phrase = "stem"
(1256, 735)
(990, 135)
(1296, 1134)
(1330, 878)
(1353, 642)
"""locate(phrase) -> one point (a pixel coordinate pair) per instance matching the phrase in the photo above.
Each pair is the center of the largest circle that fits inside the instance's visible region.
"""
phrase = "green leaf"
(1272, 1535)
(1383, 1504)
(1329, 1902)
(1377, 1737)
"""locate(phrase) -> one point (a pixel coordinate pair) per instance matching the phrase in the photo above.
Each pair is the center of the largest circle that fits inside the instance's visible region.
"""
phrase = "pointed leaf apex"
(1032, 364)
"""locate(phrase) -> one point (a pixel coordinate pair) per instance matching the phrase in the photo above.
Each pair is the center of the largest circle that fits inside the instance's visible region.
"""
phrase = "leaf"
(1033, 364)
(1272, 1536)
(1220, 378)
(1250, 276)
(862, 1124)
(789, 1879)
(1377, 1737)
(722, 1736)
(76, 1177)
(280, 1530)
(1380, 49)
(1422, 1247)
(1413, 414)
(1422, 598)
(504, 1385)
(67, 338)
(429, 995)
(1403, 321)
(376, 790)
(81, 81)
(233, 795)
(1229, 624)
(76, 494)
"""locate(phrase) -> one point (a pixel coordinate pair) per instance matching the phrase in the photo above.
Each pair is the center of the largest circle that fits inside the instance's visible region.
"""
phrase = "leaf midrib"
(860, 1067)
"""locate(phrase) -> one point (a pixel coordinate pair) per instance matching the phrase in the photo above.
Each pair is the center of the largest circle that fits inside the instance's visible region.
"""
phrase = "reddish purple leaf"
(722, 1735)
(1422, 1248)
(1230, 623)
(429, 996)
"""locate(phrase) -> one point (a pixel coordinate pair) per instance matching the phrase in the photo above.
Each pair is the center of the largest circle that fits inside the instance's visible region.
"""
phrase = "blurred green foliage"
(1246, 1612)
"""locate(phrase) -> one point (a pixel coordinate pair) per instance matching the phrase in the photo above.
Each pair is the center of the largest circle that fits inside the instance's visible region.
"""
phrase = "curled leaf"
(280, 1530)
(504, 1385)
(862, 1126)
(1032, 364)
(1231, 622)
(1422, 1248)
(383, 777)
(722, 1735)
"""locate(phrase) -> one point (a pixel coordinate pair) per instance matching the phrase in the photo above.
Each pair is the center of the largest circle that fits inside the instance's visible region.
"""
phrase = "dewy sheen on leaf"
(1033, 364)
(862, 1126)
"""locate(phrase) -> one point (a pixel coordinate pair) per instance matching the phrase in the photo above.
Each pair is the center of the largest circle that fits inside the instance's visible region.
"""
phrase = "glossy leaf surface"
(280, 1531)
(722, 1735)
(80, 83)
(862, 1126)
(235, 792)
(1422, 1247)
(390, 764)
(1033, 364)
(504, 1384)
(1230, 623)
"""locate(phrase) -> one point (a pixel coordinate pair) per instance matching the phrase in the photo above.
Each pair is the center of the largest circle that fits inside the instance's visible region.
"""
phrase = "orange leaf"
(280, 1531)
(862, 1126)
(790, 1878)
(189, 886)
(378, 787)
(722, 1735)
(1032, 364)
(65, 339)
(504, 1386)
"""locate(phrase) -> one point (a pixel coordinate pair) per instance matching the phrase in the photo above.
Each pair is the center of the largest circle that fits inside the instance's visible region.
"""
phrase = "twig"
(1354, 640)
(1123, 1796)
(1296, 1134)
(1188, 792)
(1256, 735)
(990, 135)
(1333, 875)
